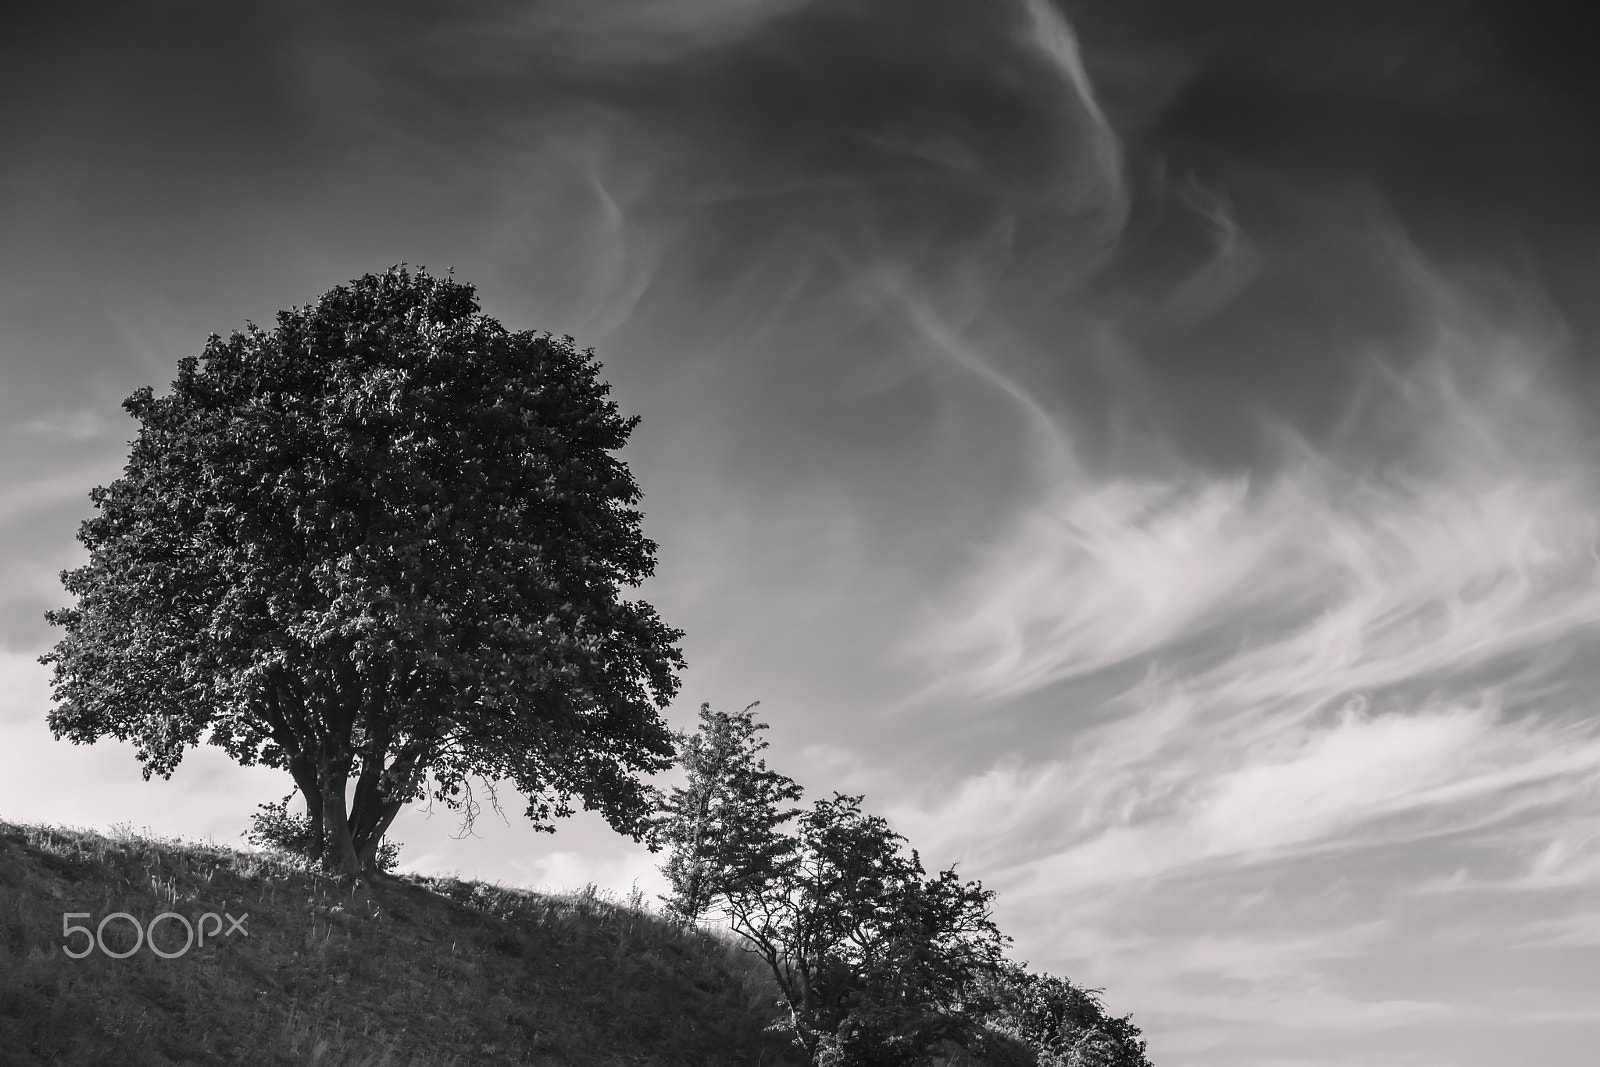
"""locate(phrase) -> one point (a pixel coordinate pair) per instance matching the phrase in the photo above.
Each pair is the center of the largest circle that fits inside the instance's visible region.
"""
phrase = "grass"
(423, 972)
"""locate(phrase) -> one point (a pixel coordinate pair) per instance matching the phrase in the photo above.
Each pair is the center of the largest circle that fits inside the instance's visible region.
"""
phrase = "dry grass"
(421, 973)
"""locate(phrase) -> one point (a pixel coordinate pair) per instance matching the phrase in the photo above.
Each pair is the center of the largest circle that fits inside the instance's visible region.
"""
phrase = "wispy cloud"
(1480, 542)
(1053, 35)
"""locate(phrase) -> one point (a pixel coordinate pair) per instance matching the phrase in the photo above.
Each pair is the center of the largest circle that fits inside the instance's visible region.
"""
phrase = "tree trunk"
(339, 853)
(367, 810)
(369, 838)
(306, 779)
(379, 796)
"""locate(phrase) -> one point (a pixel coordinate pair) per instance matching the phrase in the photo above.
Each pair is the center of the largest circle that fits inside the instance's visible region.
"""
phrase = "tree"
(382, 547)
(878, 963)
(723, 823)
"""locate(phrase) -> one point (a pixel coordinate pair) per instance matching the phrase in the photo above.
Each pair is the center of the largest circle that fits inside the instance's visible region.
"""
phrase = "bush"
(1065, 1025)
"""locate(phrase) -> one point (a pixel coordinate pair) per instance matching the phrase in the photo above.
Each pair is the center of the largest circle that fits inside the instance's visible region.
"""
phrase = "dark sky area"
(1147, 447)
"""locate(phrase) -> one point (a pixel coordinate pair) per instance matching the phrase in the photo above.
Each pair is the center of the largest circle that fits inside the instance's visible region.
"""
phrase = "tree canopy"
(381, 546)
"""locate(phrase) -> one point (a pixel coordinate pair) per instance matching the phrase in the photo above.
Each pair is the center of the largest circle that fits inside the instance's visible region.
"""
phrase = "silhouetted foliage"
(879, 964)
(381, 544)
(1064, 1025)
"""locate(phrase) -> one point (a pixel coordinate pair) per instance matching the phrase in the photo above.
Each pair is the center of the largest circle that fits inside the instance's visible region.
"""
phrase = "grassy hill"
(425, 973)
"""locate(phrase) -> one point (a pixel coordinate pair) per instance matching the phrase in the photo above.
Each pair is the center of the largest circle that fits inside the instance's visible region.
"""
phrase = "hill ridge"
(424, 972)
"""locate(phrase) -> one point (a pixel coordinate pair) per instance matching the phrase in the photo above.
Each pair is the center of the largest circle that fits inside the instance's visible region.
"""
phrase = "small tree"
(723, 823)
(380, 545)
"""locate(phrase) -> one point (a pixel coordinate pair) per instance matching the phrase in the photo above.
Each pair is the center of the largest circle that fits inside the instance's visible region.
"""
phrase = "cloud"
(1341, 775)
(1096, 575)
(1053, 35)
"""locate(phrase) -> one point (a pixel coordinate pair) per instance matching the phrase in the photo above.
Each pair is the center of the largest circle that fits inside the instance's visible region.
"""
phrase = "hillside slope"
(426, 973)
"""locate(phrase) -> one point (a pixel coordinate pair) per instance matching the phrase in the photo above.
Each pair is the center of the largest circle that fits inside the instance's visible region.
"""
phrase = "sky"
(1146, 446)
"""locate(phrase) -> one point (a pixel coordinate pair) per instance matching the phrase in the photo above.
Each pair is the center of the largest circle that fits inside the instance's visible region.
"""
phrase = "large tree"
(382, 547)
